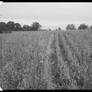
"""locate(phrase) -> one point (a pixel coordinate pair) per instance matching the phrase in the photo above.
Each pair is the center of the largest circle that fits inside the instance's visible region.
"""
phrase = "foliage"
(70, 27)
(17, 27)
(59, 28)
(27, 28)
(3, 27)
(36, 26)
(83, 27)
(90, 27)
(11, 26)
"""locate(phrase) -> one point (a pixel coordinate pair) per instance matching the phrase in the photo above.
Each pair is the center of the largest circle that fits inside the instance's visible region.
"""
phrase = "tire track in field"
(51, 65)
(76, 67)
(55, 62)
(65, 60)
(56, 68)
(47, 74)
(62, 56)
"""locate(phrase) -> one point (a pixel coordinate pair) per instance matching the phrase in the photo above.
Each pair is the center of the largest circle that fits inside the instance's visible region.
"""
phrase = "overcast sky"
(47, 14)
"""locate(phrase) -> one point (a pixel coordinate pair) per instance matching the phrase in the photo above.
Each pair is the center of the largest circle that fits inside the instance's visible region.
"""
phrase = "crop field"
(46, 60)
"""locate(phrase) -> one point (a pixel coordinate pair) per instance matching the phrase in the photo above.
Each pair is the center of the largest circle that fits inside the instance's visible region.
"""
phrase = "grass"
(46, 60)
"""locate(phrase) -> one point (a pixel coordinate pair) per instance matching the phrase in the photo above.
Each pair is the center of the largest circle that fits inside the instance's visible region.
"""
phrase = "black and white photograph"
(45, 46)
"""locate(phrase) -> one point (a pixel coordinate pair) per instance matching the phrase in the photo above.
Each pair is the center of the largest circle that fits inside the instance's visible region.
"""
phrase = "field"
(46, 60)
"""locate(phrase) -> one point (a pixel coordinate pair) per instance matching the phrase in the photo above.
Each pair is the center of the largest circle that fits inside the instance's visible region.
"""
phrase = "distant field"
(46, 60)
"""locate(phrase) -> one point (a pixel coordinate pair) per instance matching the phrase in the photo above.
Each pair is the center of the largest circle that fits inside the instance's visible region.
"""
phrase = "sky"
(52, 15)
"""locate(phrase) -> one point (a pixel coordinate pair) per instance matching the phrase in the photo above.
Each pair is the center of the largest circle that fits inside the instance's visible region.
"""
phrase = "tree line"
(12, 26)
(80, 27)
(36, 26)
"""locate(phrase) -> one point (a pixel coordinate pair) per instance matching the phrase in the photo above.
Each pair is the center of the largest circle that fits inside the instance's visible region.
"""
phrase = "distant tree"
(49, 29)
(11, 25)
(83, 27)
(17, 27)
(59, 28)
(3, 27)
(70, 27)
(90, 27)
(36, 26)
(27, 28)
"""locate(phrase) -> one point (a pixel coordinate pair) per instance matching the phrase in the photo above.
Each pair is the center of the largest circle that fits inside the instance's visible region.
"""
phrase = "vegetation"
(36, 26)
(46, 60)
(12, 26)
(70, 27)
(83, 27)
(90, 27)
